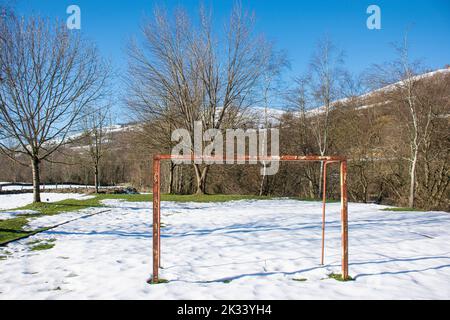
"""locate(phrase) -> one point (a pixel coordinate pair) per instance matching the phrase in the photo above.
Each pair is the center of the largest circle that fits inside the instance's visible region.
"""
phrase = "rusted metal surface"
(326, 159)
(248, 158)
(156, 219)
(344, 220)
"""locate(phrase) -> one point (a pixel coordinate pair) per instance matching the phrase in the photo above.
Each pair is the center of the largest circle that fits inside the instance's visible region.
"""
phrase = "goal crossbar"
(326, 160)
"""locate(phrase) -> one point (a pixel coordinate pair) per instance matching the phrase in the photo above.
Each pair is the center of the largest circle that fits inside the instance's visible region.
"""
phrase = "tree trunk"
(200, 175)
(96, 180)
(261, 187)
(35, 162)
(204, 173)
(319, 189)
(412, 182)
(312, 190)
(171, 177)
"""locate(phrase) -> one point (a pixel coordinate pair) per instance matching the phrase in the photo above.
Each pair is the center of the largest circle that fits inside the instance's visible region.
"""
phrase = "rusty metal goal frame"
(342, 161)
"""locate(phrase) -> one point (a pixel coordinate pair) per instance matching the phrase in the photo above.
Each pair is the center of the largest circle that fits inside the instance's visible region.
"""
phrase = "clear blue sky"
(294, 25)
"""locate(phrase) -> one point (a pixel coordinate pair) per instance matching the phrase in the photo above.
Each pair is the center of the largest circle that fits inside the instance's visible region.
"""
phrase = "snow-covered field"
(11, 201)
(261, 246)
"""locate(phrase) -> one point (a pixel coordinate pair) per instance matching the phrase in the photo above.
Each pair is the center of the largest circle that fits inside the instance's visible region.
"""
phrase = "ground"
(246, 249)
(18, 200)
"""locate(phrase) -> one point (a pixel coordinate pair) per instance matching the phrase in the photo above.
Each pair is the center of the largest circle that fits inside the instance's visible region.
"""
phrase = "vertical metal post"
(156, 218)
(324, 200)
(159, 232)
(344, 219)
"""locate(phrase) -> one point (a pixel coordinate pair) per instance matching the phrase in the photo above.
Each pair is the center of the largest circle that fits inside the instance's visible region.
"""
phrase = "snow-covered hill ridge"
(384, 89)
(274, 114)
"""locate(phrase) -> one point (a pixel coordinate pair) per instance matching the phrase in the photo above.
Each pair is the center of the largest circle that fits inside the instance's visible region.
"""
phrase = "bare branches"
(184, 73)
(97, 137)
(49, 76)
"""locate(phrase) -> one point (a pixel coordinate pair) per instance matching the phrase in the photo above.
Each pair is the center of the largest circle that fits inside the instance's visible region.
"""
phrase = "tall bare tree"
(326, 75)
(49, 76)
(299, 101)
(271, 88)
(316, 94)
(416, 117)
(196, 73)
(97, 136)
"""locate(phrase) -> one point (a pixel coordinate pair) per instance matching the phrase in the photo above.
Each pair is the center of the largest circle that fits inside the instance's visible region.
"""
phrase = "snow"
(418, 77)
(385, 89)
(115, 128)
(45, 221)
(259, 245)
(11, 201)
(13, 214)
(7, 186)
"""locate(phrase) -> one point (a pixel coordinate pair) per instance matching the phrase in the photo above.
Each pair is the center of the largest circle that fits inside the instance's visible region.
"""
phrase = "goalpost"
(342, 161)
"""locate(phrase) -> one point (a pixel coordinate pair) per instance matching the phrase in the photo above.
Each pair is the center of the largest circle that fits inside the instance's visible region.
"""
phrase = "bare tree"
(433, 174)
(154, 134)
(271, 87)
(194, 74)
(299, 101)
(326, 75)
(401, 77)
(316, 95)
(97, 137)
(49, 76)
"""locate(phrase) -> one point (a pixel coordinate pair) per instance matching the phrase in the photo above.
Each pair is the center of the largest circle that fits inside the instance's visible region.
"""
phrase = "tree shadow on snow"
(356, 277)
(243, 228)
(398, 272)
(118, 233)
(256, 274)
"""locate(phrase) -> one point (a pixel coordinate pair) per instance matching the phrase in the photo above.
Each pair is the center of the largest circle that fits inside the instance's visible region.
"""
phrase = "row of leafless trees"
(54, 83)
(185, 72)
(396, 138)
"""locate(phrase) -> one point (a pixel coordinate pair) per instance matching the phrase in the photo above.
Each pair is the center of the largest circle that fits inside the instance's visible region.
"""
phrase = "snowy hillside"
(385, 89)
(234, 250)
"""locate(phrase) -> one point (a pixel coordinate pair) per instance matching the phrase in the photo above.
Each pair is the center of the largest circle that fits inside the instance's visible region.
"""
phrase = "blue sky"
(294, 25)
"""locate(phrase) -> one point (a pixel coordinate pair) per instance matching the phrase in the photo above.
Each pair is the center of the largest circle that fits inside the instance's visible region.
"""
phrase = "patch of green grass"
(126, 197)
(183, 198)
(42, 246)
(53, 208)
(395, 209)
(160, 281)
(30, 243)
(313, 199)
(300, 279)
(212, 198)
(338, 277)
(11, 229)
(4, 254)
(226, 281)
(196, 198)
